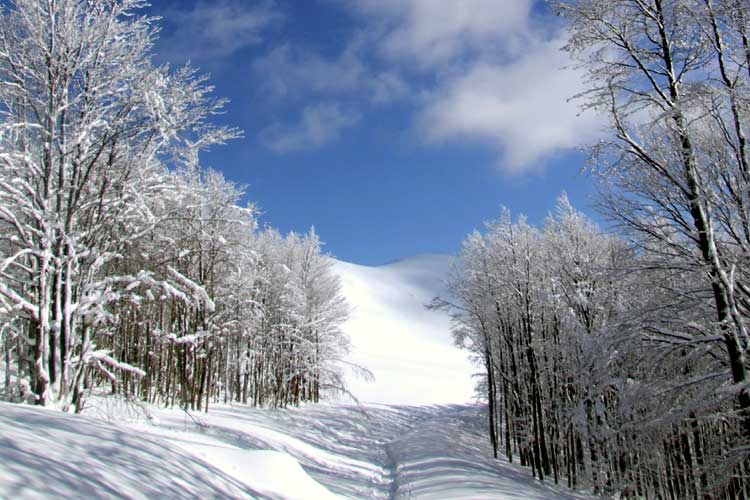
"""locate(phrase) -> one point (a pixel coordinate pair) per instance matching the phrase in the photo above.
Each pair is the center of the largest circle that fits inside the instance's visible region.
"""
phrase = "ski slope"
(418, 434)
(408, 348)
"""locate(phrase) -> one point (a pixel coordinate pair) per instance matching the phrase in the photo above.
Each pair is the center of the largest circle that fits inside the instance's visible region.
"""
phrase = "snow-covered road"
(376, 452)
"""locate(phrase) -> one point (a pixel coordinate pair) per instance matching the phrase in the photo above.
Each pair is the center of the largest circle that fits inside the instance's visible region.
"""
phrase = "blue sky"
(395, 127)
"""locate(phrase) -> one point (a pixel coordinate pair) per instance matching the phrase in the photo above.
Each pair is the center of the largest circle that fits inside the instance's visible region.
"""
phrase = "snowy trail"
(341, 447)
(385, 452)
(317, 452)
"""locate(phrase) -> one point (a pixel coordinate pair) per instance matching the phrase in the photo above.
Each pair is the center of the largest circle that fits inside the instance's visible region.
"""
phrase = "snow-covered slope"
(408, 348)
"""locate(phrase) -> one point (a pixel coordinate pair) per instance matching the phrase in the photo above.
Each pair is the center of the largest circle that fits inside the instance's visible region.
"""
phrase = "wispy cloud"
(210, 31)
(348, 84)
(521, 109)
(490, 72)
(289, 72)
(317, 126)
(431, 33)
(287, 69)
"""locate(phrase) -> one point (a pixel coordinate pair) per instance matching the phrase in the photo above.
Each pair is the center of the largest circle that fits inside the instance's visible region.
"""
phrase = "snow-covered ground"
(316, 452)
(418, 435)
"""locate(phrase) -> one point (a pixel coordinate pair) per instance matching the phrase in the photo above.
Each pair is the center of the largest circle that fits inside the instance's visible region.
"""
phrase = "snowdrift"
(48, 454)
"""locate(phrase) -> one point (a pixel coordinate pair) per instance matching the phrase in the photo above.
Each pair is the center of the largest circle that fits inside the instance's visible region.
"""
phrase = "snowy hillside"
(408, 348)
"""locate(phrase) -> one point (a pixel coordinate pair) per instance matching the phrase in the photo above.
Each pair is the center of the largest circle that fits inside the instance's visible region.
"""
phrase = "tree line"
(123, 263)
(619, 361)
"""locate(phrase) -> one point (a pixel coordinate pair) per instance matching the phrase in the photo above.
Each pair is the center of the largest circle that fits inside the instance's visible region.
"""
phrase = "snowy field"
(417, 436)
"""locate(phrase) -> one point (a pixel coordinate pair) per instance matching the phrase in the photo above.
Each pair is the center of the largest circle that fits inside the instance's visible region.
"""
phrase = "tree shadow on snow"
(49, 454)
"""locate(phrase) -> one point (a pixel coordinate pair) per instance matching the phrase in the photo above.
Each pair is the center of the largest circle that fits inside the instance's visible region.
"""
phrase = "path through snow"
(385, 452)
(317, 452)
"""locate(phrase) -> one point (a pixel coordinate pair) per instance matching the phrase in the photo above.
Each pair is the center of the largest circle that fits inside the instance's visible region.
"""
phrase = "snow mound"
(268, 472)
(48, 454)
(408, 348)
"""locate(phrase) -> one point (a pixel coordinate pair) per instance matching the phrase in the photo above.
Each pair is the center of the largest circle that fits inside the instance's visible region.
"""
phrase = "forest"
(123, 262)
(618, 358)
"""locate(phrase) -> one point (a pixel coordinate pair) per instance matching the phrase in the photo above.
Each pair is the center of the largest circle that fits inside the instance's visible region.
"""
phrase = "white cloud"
(521, 108)
(288, 71)
(431, 33)
(319, 125)
(484, 72)
(215, 29)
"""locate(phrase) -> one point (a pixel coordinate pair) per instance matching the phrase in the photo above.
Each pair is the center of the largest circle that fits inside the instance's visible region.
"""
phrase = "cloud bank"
(521, 109)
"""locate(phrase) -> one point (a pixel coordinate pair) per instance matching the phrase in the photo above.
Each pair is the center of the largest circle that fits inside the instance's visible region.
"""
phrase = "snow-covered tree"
(601, 359)
(299, 350)
(673, 78)
(539, 308)
(87, 124)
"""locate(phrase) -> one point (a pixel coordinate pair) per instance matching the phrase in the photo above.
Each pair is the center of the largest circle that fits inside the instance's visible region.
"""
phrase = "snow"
(435, 446)
(321, 452)
(408, 348)
(47, 454)
(268, 472)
